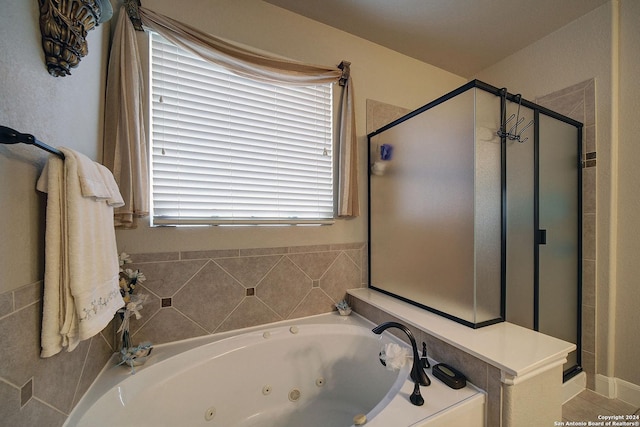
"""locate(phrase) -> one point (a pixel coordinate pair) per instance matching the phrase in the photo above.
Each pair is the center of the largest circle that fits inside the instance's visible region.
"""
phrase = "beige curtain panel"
(272, 70)
(125, 142)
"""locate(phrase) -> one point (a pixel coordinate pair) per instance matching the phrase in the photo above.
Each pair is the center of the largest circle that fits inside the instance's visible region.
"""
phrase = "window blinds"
(226, 149)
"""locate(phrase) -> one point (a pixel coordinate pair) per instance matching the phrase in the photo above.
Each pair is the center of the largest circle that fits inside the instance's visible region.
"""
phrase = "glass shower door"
(559, 243)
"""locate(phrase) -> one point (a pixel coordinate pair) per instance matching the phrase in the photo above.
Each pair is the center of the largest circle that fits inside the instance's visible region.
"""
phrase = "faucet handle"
(424, 360)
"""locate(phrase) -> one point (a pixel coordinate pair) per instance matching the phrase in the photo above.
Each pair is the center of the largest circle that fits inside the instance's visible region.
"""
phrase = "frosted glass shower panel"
(559, 217)
(520, 208)
(425, 210)
(487, 208)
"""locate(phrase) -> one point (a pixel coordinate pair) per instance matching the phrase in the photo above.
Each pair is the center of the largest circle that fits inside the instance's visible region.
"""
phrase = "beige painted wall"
(378, 73)
(627, 333)
(575, 53)
(62, 111)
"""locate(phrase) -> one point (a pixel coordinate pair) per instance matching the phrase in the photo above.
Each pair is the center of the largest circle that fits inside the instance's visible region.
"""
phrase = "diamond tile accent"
(20, 349)
(314, 264)
(209, 297)
(342, 275)
(99, 354)
(165, 278)
(26, 392)
(316, 302)
(166, 326)
(284, 287)
(250, 312)
(355, 255)
(189, 295)
(249, 270)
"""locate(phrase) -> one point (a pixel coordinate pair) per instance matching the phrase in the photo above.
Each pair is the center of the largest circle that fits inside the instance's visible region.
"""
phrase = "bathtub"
(319, 371)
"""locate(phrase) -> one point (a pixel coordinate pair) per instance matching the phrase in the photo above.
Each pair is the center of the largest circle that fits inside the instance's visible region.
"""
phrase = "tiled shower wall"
(198, 293)
(579, 103)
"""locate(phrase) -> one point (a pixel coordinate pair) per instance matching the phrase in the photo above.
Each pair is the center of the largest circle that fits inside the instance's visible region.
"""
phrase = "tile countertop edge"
(494, 344)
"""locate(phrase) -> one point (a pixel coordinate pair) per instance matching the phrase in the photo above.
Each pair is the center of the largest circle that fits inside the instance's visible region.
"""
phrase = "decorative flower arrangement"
(343, 307)
(129, 280)
(135, 356)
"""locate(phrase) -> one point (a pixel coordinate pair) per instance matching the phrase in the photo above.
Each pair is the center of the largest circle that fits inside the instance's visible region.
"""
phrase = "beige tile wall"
(204, 292)
(35, 391)
(578, 102)
(190, 294)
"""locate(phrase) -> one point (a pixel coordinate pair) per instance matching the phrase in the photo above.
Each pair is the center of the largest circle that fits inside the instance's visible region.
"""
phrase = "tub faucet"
(418, 375)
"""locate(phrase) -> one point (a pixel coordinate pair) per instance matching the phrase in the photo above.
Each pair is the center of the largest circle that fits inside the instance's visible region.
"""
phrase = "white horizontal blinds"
(229, 149)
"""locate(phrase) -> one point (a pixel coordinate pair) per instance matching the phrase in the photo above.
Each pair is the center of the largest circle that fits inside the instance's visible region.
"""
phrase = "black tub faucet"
(418, 375)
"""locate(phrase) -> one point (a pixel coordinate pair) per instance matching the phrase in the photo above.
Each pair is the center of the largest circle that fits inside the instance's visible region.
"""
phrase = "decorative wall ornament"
(64, 25)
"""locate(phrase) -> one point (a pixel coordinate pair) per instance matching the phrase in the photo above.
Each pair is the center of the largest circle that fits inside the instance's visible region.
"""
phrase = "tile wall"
(189, 294)
(198, 293)
(35, 391)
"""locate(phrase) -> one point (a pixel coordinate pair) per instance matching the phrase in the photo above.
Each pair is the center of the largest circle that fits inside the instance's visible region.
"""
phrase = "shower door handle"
(541, 237)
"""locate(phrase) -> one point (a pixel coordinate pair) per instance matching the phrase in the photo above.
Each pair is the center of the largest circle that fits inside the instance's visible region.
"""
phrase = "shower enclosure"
(475, 212)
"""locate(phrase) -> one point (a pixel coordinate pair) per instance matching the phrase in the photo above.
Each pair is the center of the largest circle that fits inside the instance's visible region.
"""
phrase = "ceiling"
(460, 36)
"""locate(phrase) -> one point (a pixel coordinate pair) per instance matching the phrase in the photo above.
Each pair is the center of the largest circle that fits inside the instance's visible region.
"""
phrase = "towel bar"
(11, 136)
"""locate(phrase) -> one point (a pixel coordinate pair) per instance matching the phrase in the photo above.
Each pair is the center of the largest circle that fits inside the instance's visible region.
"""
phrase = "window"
(229, 150)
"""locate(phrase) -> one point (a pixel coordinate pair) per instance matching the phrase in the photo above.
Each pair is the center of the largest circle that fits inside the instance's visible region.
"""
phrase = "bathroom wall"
(602, 45)
(377, 73)
(64, 111)
(68, 112)
(627, 315)
(195, 293)
(59, 111)
(213, 279)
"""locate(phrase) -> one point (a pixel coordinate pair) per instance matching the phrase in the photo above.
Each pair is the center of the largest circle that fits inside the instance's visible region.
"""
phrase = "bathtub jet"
(418, 375)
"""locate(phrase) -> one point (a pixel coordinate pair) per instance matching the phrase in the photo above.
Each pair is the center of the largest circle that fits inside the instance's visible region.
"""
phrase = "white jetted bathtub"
(320, 371)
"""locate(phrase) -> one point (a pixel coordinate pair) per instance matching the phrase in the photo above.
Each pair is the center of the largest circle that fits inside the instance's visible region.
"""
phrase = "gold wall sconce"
(64, 25)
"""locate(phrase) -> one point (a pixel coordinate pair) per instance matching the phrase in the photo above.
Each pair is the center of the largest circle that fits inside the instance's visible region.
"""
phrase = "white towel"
(81, 291)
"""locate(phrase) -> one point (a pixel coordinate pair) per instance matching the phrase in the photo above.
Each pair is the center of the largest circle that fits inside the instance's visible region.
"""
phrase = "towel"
(81, 291)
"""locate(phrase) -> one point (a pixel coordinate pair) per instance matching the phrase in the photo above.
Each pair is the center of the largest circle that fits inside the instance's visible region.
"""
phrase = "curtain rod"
(10, 136)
